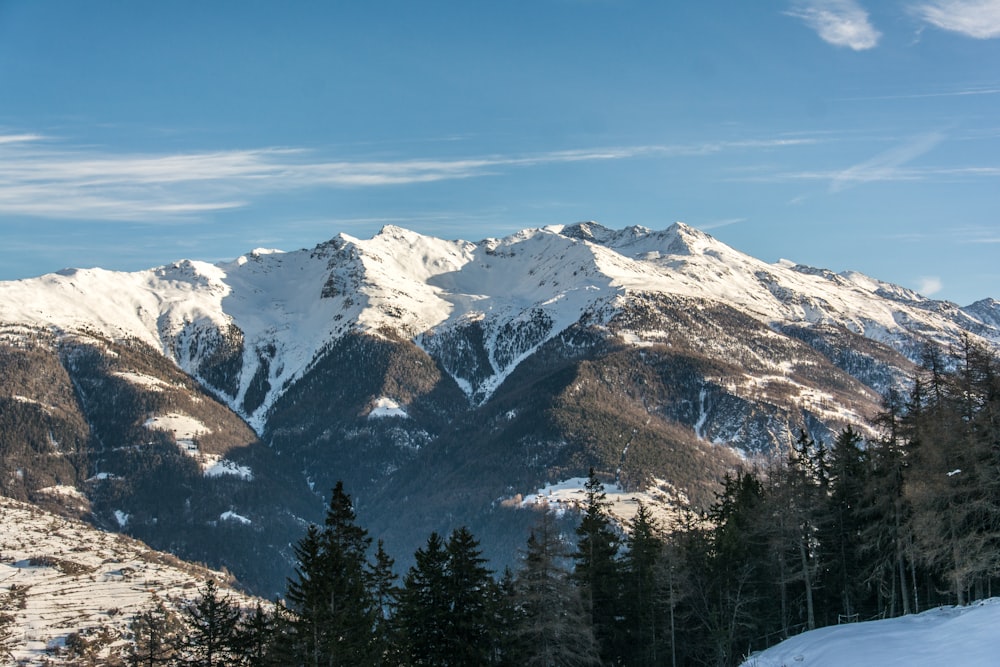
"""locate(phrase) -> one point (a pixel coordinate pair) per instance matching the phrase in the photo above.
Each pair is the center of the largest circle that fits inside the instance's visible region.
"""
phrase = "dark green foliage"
(447, 605)
(212, 633)
(596, 570)
(256, 637)
(552, 626)
(424, 608)
(333, 608)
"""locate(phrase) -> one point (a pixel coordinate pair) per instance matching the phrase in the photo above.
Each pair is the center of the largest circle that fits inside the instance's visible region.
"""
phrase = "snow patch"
(661, 498)
(233, 516)
(64, 491)
(183, 427)
(386, 407)
(143, 380)
(224, 467)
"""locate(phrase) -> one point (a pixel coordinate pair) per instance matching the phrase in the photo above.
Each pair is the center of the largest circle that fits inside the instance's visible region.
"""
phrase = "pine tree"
(953, 482)
(212, 623)
(334, 611)
(848, 469)
(596, 570)
(256, 637)
(155, 634)
(386, 598)
(553, 628)
(424, 615)
(739, 592)
(885, 540)
(471, 592)
(642, 589)
(446, 607)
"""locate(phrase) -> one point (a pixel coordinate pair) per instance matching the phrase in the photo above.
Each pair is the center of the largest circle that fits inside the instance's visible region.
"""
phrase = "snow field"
(65, 577)
(957, 636)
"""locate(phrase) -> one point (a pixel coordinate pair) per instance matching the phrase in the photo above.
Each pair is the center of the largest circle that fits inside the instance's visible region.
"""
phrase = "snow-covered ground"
(62, 577)
(947, 636)
(662, 499)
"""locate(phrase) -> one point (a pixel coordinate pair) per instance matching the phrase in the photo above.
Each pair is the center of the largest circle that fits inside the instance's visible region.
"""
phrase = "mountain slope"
(438, 379)
(73, 589)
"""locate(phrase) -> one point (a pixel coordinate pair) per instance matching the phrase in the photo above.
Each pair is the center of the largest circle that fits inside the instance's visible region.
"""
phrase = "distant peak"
(397, 232)
(595, 232)
(587, 231)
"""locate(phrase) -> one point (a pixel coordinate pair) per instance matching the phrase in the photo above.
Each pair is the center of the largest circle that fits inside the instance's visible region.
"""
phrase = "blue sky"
(844, 134)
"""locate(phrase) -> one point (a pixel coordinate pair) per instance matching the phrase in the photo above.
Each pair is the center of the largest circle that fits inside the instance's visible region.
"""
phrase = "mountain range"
(209, 409)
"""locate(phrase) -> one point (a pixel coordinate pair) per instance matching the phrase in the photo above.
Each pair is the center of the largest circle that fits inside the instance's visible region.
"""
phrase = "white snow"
(122, 518)
(63, 490)
(233, 516)
(386, 407)
(661, 498)
(183, 427)
(143, 380)
(960, 636)
(422, 286)
(75, 578)
(224, 467)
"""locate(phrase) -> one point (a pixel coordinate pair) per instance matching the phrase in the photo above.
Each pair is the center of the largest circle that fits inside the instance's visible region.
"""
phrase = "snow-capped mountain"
(284, 309)
(455, 373)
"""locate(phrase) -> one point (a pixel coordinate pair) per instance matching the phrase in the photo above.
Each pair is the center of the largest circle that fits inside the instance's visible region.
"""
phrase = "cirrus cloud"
(973, 18)
(39, 177)
(838, 22)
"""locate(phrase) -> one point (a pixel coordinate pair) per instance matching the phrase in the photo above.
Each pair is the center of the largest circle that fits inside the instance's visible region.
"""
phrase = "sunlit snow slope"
(275, 312)
(958, 636)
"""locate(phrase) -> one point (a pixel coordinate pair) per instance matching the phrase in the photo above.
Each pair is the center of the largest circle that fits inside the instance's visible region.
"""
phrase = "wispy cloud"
(886, 165)
(715, 224)
(19, 138)
(838, 22)
(974, 18)
(929, 285)
(917, 96)
(40, 178)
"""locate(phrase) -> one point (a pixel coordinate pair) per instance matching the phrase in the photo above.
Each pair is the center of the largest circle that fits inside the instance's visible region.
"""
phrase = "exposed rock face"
(435, 378)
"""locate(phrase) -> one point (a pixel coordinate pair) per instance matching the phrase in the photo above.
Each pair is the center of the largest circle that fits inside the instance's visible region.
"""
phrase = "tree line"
(862, 528)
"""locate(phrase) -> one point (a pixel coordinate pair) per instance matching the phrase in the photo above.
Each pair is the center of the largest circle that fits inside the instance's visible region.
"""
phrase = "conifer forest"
(860, 528)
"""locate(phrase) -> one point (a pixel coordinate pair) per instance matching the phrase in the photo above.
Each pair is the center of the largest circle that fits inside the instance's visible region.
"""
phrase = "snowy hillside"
(208, 408)
(959, 636)
(62, 578)
(273, 313)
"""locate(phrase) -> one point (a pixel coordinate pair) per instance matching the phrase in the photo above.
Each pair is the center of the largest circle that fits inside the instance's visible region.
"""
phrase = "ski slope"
(946, 636)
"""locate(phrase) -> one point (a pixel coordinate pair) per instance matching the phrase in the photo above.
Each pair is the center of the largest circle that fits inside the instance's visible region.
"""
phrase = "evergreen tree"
(446, 607)
(212, 629)
(334, 611)
(385, 593)
(471, 593)
(885, 541)
(953, 482)
(155, 635)
(424, 615)
(256, 636)
(507, 648)
(848, 469)
(643, 602)
(596, 570)
(553, 628)
(740, 592)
